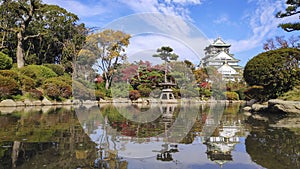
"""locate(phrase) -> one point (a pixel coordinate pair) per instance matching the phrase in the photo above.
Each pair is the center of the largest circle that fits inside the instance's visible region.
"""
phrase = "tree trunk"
(106, 84)
(15, 153)
(20, 54)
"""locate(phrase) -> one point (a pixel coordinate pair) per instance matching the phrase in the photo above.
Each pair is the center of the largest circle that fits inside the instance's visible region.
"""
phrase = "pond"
(126, 136)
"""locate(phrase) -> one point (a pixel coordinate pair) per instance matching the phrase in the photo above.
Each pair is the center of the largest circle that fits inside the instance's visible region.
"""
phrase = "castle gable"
(223, 56)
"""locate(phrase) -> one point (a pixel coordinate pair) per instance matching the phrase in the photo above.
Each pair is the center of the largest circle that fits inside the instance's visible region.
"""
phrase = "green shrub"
(207, 93)
(231, 95)
(38, 73)
(36, 94)
(292, 94)
(56, 89)
(275, 70)
(81, 92)
(120, 89)
(144, 90)
(189, 91)
(26, 83)
(241, 94)
(5, 61)
(134, 95)
(99, 95)
(8, 87)
(255, 92)
(10, 73)
(58, 69)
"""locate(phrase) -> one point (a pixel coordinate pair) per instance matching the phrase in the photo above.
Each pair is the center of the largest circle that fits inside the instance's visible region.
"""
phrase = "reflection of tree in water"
(109, 161)
(53, 139)
(274, 147)
(130, 128)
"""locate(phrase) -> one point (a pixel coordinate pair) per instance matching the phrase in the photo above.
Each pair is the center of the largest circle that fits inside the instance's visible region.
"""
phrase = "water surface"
(125, 136)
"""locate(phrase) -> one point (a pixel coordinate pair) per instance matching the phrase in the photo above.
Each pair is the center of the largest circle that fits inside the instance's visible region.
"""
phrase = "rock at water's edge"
(46, 102)
(8, 103)
(247, 108)
(258, 107)
(284, 106)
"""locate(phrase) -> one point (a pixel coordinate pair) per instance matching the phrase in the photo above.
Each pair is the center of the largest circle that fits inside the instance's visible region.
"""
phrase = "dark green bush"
(56, 89)
(58, 69)
(255, 92)
(275, 71)
(5, 61)
(8, 87)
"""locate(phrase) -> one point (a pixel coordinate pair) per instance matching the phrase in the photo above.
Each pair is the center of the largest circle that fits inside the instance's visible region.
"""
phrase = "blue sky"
(245, 24)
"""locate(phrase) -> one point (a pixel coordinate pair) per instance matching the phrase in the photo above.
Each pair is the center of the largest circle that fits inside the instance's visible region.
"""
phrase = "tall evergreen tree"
(292, 9)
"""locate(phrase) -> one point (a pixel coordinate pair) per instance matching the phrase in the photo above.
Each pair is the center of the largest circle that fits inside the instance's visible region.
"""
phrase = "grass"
(293, 95)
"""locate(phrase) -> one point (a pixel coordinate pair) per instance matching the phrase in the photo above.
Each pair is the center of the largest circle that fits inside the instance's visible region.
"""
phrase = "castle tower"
(218, 55)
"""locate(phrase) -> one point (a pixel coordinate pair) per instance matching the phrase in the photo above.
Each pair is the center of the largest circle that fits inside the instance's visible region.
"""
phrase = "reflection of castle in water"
(223, 140)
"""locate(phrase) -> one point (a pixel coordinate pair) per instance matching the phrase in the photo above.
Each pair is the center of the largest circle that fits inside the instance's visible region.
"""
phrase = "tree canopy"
(292, 9)
(166, 54)
(35, 33)
(274, 72)
(105, 51)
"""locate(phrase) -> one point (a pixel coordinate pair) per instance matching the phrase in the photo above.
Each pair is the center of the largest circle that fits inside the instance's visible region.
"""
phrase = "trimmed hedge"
(276, 71)
(58, 69)
(36, 94)
(38, 72)
(26, 83)
(10, 73)
(6, 62)
(8, 87)
(56, 89)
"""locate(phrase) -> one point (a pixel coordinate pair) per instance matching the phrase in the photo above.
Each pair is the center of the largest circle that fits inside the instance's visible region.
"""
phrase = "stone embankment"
(275, 105)
(291, 110)
(44, 102)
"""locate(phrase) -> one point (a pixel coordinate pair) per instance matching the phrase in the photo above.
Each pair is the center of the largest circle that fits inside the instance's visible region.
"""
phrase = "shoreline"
(274, 106)
(69, 102)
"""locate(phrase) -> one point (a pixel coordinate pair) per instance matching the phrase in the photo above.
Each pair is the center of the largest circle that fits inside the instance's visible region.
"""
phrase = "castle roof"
(220, 42)
(226, 69)
(223, 56)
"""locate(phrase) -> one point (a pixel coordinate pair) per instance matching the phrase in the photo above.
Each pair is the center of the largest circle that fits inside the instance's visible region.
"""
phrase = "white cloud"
(263, 24)
(223, 19)
(139, 50)
(183, 2)
(79, 8)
